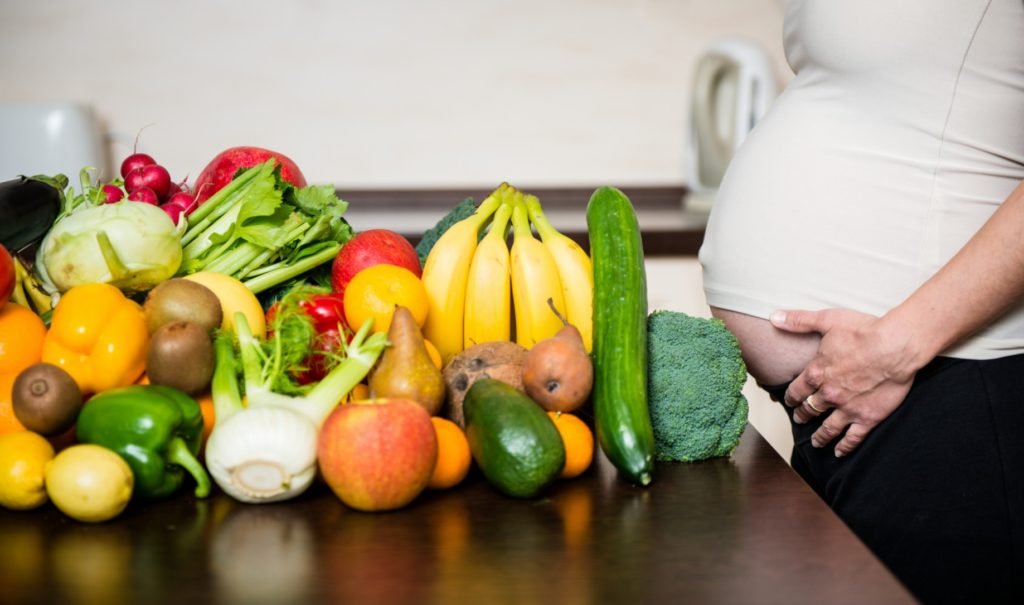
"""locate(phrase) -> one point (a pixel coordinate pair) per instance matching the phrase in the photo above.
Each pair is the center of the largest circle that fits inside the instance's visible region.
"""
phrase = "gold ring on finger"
(810, 403)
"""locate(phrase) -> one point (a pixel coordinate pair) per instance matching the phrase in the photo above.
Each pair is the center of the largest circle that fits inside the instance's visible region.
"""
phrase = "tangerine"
(375, 291)
(453, 456)
(578, 440)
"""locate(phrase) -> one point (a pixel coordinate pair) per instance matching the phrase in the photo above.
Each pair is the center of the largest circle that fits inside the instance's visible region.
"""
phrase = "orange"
(359, 392)
(374, 292)
(578, 440)
(21, 345)
(205, 402)
(435, 355)
(453, 457)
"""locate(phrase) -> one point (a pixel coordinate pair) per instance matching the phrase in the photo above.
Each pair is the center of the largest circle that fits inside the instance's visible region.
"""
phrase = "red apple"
(222, 169)
(368, 248)
(377, 454)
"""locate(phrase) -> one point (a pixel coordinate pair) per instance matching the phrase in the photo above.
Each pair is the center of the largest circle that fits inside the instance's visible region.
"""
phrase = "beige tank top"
(901, 133)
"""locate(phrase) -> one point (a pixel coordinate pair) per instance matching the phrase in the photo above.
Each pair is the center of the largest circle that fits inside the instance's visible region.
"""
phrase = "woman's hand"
(863, 370)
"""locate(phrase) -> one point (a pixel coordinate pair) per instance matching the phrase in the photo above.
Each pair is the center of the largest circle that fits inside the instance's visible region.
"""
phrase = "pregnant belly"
(772, 356)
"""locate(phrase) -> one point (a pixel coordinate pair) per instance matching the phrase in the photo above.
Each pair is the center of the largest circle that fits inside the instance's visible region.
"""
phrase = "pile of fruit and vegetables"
(237, 334)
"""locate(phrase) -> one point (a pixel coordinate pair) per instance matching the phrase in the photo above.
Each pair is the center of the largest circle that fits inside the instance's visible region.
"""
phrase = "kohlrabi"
(130, 245)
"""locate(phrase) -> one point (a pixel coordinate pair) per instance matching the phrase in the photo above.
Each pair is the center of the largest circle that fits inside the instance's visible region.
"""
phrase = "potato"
(500, 360)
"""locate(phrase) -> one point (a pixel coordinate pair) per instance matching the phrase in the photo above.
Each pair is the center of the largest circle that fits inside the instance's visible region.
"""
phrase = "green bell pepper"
(156, 429)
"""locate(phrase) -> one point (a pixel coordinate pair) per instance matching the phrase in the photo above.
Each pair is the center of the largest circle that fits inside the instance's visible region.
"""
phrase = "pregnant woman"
(867, 249)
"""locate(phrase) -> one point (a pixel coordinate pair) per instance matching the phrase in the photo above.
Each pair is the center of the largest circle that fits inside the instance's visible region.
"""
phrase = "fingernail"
(840, 454)
(777, 317)
(816, 443)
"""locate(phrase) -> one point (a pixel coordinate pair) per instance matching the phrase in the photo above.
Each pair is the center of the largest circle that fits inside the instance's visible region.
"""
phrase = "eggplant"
(28, 208)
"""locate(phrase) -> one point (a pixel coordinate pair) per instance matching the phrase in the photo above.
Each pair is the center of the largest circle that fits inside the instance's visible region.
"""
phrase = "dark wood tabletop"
(743, 529)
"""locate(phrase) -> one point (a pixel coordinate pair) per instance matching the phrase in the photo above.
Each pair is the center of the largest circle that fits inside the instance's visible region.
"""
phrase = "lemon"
(23, 458)
(234, 296)
(89, 483)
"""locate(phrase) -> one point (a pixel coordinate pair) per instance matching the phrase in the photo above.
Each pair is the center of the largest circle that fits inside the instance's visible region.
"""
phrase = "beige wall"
(389, 93)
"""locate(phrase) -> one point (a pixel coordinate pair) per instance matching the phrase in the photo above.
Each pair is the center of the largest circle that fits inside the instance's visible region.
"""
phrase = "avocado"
(512, 439)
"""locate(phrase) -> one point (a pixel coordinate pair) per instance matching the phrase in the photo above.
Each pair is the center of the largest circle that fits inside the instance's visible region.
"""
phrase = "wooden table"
(739, 530)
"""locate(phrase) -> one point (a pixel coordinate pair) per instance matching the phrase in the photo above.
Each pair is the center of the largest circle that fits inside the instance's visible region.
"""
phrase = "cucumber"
(619, 396)
(511, 438)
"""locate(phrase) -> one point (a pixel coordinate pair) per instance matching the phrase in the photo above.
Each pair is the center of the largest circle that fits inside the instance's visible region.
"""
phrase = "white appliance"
(49, 138)
(733, 85)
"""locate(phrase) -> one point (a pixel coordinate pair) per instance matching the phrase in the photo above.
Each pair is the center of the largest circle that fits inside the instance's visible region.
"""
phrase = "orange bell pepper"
(98, 336)
(21, 345)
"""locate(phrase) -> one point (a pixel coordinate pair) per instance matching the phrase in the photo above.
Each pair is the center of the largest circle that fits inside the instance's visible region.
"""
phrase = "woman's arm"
(865, 364)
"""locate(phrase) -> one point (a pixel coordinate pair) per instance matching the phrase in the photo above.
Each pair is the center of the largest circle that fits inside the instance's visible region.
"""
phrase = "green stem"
(256, 266)
(248, 346)
(178, 453)
(233, 260)
(201, 243)
(227, 400)
(217, 201)
(536, 213)
(272, 278)
(489, 205)
(359, 360)
(499, 226)
(114, 264)
(520, 221)
(255, 270)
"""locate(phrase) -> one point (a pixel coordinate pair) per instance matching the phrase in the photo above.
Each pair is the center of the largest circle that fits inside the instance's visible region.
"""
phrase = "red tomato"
(327, 311)
(328, 315)
(8, 276)
(318, 361)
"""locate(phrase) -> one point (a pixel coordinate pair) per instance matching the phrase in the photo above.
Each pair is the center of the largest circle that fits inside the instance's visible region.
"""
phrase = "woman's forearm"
(976, 286)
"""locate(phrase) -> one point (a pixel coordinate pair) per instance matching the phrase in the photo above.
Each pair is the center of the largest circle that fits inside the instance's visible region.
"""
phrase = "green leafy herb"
(263, 230)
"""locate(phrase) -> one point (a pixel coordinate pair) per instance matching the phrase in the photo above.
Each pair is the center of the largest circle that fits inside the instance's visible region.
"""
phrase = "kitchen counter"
(743, 529)
(669, 227)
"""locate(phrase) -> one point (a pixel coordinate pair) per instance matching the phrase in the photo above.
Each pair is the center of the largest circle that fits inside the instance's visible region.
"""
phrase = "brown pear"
(558, 373)
(405, 370)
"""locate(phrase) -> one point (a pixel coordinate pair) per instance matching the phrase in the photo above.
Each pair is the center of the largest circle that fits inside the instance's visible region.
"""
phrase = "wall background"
(391, 93)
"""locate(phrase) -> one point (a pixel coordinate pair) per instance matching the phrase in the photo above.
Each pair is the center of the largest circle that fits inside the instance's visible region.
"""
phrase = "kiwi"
(46, 399)
(181, 355)
(180, 299)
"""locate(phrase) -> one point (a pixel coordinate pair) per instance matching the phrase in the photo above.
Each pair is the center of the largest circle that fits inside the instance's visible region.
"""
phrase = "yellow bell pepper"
(98, 336)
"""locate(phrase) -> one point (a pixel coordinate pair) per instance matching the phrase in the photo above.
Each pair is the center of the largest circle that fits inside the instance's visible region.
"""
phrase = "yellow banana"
(574, 271)
(40, 300)
(444, 278)
(534, 281)
(488, 312)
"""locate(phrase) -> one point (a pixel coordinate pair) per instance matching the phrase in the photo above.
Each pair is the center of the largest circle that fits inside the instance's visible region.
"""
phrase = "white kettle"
(733, 85)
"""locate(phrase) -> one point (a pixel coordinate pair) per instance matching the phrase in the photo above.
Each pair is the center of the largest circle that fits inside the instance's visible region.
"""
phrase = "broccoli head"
(695, 381)
(463, 209)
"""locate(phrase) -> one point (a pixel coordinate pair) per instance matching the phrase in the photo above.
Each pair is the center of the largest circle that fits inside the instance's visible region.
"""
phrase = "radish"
(183, 199)
(173, 210)
(112, 193)
(134, 162)
(144, 195)
(153, 176)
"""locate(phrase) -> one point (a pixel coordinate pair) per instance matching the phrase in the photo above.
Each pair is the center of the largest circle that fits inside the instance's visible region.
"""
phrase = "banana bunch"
(28, 289)
(478, 290)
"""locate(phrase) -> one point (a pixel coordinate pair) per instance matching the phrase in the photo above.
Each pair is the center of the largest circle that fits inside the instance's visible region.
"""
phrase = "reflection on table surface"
(743, 529)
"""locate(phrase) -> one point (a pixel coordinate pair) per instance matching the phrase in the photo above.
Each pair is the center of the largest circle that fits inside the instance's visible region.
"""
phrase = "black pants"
(936, 491)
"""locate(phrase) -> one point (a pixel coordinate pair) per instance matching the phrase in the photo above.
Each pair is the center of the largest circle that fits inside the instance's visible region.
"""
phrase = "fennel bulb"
(266, 451)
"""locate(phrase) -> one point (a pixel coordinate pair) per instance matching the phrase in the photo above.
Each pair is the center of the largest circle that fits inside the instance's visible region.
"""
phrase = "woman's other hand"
(862, 371)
